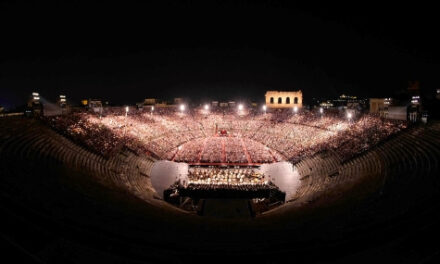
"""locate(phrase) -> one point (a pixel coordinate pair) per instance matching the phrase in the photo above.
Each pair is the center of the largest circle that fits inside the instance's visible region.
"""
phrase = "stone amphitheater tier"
(57, 192)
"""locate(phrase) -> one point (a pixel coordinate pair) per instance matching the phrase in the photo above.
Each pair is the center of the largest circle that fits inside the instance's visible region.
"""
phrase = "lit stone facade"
(278, 99)
(377, 105)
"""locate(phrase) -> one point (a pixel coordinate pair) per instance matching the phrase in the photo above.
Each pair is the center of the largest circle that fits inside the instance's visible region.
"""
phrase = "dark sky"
(227, 49)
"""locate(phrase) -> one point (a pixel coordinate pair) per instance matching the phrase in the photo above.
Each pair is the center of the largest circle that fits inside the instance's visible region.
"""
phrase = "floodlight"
(240, 107)
(182, 107)
(206, 107)
(321, 110)
(264, 107)
(126, 109)
(349, 115)
(295, 109)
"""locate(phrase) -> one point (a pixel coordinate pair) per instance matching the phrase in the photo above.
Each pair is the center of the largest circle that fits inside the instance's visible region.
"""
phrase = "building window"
(271, 100)
(295, 100)
(280, 100)
(287, 100)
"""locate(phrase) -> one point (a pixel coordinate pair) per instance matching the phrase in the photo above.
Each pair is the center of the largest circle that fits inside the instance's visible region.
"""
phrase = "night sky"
(220, 50)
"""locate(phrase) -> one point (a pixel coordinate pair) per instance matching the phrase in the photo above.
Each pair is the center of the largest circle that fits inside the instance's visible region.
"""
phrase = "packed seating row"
(258, 137)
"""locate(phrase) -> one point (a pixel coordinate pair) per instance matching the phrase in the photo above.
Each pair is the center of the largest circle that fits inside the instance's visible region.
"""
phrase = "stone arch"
(280, 100)
(287, 100)
(295, 100)
(272, 100)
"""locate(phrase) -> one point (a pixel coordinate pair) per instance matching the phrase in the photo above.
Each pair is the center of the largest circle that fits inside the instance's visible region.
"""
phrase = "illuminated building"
(284, 99)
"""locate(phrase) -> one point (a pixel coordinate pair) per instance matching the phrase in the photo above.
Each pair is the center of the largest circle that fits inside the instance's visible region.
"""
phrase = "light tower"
(35, 96)
(126, 113)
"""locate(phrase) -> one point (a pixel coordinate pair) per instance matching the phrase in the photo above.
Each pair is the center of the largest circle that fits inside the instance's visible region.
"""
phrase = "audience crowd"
(251, 137)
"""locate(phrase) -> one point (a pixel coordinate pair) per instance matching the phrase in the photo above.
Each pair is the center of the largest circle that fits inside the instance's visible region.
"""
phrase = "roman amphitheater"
(134, 185)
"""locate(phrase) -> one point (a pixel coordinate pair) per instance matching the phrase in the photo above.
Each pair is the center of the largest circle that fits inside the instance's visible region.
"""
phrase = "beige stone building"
(150, 101)
(378, 105)
(284, 99)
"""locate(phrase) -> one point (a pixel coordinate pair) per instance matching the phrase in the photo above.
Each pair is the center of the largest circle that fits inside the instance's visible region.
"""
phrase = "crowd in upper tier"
(225, 137)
